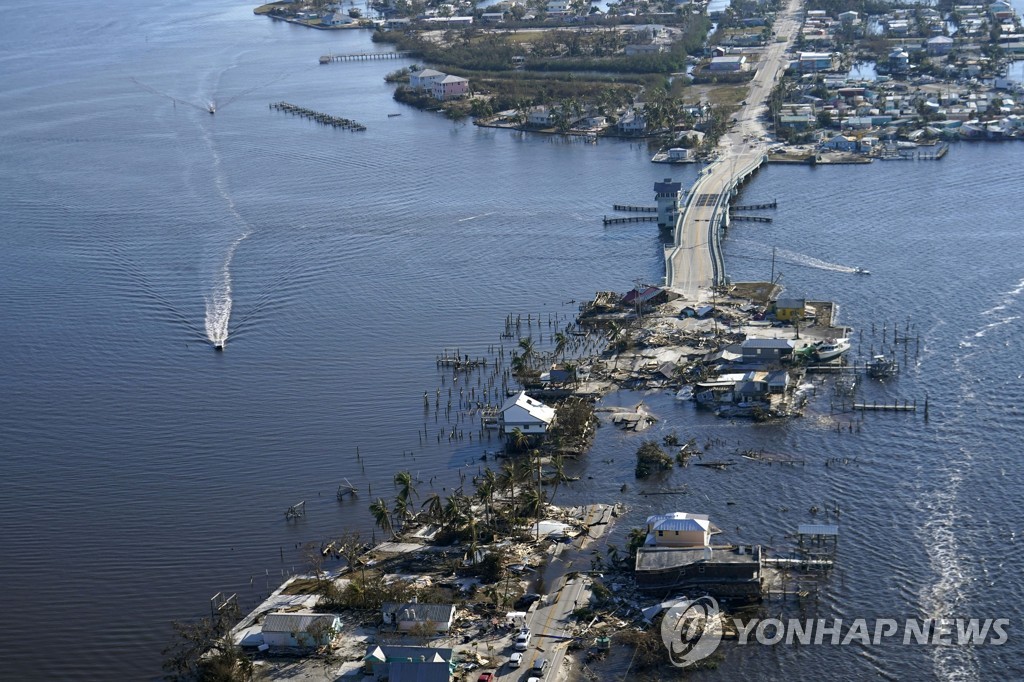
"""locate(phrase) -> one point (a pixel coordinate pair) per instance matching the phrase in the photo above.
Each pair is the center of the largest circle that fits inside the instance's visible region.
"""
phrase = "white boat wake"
(219, 301)
(785, 256)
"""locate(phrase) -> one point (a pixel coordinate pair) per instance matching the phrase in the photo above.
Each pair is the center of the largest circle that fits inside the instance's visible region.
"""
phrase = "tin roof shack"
(413, 615)
(724, 573)
(300, 630)
(400, 663)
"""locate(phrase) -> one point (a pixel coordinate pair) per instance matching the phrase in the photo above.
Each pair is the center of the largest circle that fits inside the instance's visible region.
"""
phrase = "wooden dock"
(750, 218)
(894, 406)
(319, 117)
(631, 219)
(638, 209)
(755, 207)
(362, 56)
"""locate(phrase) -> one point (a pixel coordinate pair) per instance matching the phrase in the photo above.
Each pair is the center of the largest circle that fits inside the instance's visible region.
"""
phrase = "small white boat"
(211, 107)
(830, 349)
(685, 393)
(861, 271)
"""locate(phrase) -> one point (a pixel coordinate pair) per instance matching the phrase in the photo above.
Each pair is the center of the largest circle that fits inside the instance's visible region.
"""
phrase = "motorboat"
(861, 271)
(211, 107)
(830, 349)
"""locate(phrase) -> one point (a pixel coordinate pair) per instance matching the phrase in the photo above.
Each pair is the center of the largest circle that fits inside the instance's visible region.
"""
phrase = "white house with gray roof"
(425, 79)
(530, 416)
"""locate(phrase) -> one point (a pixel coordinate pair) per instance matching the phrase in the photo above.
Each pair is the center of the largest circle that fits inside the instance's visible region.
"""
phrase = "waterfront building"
(299, 630)
(450, 87)
(425, 79)
(669, 195)
(789, 309)
(530, 416)
(678, 529)
(765, 351)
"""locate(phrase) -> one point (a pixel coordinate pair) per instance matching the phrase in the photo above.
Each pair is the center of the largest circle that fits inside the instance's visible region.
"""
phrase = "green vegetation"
(651, 458)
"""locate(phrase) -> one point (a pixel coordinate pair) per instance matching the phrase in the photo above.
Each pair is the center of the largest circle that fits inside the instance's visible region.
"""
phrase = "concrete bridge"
(694, 264)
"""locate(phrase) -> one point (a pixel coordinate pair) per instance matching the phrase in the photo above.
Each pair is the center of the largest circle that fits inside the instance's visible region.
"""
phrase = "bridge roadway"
(693, 265)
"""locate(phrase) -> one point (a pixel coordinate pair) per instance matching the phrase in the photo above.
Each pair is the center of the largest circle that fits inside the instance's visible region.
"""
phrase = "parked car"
(515, 660)
(523, 640)
(540, 665)
(485, 677)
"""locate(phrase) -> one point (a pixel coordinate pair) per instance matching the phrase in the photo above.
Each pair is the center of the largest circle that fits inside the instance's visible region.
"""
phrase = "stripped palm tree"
(382, 516)
(434, 507)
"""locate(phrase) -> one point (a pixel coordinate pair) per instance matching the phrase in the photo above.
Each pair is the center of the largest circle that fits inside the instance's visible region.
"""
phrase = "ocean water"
(146, 472)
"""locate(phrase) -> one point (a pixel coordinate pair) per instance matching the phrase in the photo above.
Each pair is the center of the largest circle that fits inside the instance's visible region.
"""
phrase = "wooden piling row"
(326, 119)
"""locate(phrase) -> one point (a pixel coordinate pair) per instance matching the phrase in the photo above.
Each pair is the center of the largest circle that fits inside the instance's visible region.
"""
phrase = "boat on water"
(211, 107)
(861, 271)
(880, 367)
(393, 115)
(830, 349)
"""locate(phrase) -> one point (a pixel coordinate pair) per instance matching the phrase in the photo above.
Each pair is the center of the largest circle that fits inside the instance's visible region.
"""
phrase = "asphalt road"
(691, 264)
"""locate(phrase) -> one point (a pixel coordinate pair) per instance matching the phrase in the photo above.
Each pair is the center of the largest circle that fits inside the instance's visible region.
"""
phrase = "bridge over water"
(694, 264)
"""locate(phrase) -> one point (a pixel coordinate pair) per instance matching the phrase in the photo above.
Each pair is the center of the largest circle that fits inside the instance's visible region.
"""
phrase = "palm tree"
(635, 540)
(529, 350)
(407, 486)
(457, 511)
(558, 462)
(382, 516)
(532, 503)
(435, 508)
(561, 341)
(402, 513)
(518, 440)
(485, 491)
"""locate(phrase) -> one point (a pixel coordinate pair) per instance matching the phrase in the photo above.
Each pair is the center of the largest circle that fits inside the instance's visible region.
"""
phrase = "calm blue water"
(145, 472)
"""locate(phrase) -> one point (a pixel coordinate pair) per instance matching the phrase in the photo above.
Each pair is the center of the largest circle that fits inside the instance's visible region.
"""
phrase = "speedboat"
(830, 349)
(219, 346)
(211, 107)
(861, 271)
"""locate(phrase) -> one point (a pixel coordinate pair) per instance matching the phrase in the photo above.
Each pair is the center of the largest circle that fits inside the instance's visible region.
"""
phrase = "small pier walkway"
(362, 56)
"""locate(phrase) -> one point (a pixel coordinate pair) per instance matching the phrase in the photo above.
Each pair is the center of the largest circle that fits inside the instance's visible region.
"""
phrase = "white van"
(523, 640)
(515, 660)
